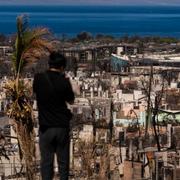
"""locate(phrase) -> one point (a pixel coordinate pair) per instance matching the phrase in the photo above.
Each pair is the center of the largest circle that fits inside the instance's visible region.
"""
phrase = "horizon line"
(83, 4)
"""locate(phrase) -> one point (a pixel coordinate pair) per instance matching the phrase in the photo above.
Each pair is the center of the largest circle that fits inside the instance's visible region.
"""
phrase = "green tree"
(83, 36)
(29, 45)
(2, 38)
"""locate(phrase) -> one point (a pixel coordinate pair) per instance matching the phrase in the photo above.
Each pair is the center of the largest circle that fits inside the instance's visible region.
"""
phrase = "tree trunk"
(27, 145)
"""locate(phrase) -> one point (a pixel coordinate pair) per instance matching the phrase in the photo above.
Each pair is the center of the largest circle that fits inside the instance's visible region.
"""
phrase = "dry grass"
(20, 110)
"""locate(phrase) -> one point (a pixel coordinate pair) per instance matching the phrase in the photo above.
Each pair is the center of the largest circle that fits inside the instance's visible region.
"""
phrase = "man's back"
(53, 90)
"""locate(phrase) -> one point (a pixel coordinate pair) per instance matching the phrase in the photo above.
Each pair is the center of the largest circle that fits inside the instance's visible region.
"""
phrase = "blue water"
(113, 20)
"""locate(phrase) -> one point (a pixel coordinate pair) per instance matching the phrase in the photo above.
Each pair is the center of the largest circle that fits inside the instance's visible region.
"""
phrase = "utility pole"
(94, 57)
(175, 166)
(156, 167)
(155, 113)
(149, 101)
(111, 120)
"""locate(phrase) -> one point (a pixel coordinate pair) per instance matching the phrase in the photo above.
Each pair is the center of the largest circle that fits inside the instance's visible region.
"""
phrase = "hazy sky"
(84, 2)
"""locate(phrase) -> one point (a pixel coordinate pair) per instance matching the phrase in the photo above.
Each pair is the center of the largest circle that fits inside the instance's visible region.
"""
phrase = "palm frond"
(40, 32)
(26, 41)
(19, 46)
(37, 47)
(22, 23)
(34, 34)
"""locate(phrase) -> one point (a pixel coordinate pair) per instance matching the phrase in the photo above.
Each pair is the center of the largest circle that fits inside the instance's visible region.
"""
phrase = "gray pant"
(54, 141)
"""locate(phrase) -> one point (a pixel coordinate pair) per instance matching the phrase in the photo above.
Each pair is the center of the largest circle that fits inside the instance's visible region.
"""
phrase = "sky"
(86, 2)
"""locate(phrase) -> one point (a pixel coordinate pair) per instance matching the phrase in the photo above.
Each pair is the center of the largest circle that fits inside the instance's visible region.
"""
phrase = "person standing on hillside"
(53, 90)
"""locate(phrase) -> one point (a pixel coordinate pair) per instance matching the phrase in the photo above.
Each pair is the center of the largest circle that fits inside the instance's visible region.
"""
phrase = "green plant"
(28, 47)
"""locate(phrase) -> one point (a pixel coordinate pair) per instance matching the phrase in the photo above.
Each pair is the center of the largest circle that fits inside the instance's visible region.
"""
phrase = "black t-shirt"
(52, 91)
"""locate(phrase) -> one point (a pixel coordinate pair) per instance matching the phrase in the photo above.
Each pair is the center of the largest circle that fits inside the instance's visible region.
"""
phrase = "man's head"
(57, 60)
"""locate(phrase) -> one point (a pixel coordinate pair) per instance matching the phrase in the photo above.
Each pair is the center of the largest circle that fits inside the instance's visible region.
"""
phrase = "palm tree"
(28, 47)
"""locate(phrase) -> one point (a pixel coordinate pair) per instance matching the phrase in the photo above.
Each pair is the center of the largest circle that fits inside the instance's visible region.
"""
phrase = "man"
(52, 91)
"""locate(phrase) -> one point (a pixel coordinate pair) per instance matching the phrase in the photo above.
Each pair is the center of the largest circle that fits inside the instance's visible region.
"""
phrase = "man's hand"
(75, 87)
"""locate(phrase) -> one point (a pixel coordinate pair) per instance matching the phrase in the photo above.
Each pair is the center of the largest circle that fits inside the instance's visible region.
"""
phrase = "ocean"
(112, 20)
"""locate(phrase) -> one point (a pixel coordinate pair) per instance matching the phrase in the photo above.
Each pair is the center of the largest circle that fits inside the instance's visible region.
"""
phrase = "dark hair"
(56, 60)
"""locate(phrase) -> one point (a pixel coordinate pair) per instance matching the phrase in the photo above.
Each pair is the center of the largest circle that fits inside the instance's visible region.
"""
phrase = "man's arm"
(34, 83)
(34, 87)
(69, 93)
